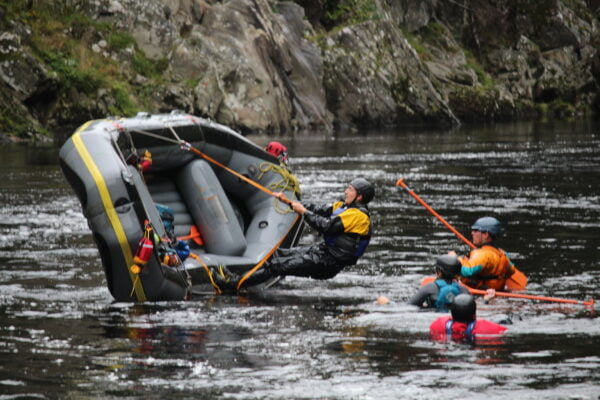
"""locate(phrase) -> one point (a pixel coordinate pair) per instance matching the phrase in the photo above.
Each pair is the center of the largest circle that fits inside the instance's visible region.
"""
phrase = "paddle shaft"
(237, 174)
(400, 182)
(517, 281)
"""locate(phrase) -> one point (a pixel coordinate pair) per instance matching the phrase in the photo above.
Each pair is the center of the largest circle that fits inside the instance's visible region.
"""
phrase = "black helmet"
(487, 224)
(463, 308)
(364, 188)
(448, 265)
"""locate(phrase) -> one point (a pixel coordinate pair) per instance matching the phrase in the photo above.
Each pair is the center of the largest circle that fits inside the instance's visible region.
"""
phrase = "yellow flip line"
(109, 209)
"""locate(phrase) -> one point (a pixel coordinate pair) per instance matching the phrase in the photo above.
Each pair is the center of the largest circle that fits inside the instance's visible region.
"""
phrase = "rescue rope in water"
(517, 281)
(532, 297)
(591, 302)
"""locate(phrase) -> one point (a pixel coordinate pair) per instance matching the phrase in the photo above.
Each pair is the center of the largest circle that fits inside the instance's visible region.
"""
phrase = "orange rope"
(237, 174)
(517, 281)
(429, 279)
(265, 258)
(531, 297)
(257, 185)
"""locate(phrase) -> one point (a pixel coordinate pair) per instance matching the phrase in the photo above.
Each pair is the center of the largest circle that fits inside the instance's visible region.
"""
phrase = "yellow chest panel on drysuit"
(353, 219)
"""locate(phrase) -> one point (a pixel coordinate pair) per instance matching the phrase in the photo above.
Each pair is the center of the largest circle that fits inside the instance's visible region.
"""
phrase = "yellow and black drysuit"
(486, 267)
(346, 230)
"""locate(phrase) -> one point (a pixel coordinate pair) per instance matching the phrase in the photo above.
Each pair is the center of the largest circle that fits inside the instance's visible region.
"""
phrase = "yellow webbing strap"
(109, 209)
(265, 258)
(208, 272)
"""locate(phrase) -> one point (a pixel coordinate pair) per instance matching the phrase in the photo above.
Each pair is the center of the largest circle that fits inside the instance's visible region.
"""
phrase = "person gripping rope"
(486, 266)
(346, 227)
(440, 293)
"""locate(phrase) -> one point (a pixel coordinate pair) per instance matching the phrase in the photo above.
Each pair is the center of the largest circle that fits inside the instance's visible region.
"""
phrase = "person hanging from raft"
(346, 227)
(440, 293)
(487, 266)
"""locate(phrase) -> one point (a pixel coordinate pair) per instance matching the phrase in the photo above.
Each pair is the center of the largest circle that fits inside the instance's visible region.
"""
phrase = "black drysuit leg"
(311, 262)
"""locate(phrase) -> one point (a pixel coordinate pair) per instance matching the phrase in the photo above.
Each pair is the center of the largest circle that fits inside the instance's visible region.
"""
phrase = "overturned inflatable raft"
(226, 220)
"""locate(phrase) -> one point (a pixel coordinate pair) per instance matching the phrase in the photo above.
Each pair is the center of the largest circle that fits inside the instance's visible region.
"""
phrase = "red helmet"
(278, 150)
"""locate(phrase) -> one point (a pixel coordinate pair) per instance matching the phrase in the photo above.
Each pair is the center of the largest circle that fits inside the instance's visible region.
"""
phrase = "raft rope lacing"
(288, 182)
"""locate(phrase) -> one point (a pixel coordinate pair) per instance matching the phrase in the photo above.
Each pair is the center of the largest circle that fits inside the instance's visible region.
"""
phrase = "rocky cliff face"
(275, 66)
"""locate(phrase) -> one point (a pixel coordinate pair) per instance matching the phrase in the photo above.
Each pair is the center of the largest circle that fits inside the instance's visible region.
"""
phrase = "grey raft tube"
(239, 224)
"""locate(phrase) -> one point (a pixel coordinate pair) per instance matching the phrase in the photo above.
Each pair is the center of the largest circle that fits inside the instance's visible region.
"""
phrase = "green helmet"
(487, 224)
(463, 308)
(364, 188)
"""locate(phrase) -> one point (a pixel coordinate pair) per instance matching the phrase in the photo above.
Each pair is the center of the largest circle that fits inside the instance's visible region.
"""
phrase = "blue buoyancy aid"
(468, 332)
(446, 294)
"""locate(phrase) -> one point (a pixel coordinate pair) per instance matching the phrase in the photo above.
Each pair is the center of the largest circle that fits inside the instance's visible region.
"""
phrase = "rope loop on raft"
(288, 182)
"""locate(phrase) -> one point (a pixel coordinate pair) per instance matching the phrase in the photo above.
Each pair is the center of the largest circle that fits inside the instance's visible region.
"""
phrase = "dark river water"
(62, 336)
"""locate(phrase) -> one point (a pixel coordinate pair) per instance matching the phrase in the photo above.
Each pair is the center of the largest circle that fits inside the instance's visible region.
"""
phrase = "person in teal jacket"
(440, 293)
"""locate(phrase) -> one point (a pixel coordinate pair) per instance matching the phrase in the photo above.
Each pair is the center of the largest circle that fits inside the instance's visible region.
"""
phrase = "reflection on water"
(62, 336)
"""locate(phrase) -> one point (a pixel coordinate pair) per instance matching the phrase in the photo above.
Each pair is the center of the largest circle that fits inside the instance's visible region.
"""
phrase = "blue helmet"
(487, 224)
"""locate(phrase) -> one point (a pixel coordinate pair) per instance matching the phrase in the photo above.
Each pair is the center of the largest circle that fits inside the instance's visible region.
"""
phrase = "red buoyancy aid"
(460, 331)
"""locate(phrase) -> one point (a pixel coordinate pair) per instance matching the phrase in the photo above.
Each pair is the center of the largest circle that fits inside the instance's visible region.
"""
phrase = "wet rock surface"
(269, 66)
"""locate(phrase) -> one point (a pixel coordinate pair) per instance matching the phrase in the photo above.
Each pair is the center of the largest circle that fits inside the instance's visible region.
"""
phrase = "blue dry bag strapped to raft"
(168, 218)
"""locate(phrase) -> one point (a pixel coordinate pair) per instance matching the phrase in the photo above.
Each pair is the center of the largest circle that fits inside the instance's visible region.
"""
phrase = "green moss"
(350, 12)
(483, 77)
(71, 75)
(479, 104)
(124, 104)
(561, 109)
(400, 89)
(191, 83)
(62, 39)
(147, 67)
(435, 33)
(12, 124)
(118, 41)
(414, 41)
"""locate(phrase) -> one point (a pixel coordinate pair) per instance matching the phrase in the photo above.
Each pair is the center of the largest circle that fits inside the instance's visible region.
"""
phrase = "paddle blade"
(517, 281)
